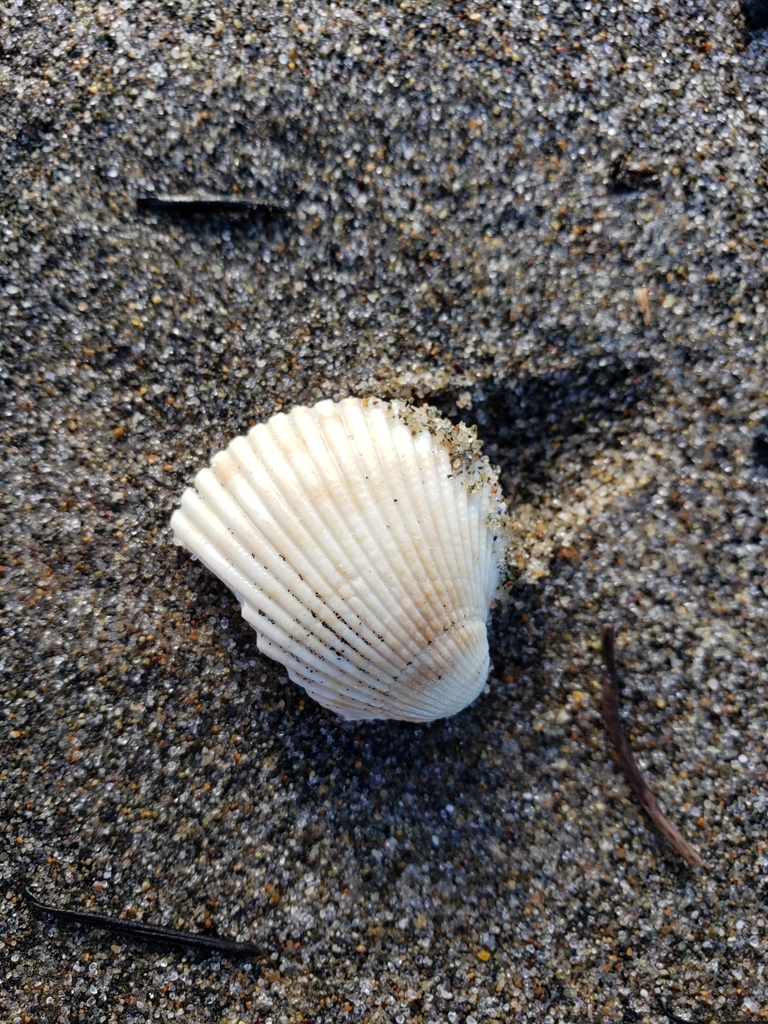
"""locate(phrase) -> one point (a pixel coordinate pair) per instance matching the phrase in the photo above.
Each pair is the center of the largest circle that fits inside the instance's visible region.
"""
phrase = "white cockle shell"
(363, 540)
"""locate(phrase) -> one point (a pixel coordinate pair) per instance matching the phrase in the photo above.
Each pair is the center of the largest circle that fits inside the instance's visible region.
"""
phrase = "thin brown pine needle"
(626, 757)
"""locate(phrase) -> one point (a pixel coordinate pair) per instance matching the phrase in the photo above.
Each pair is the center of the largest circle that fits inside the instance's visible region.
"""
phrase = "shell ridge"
(245, 520)
(328, 689)
(455, 502)
(455, 524)
(429, 504)
(267, 508)
(348, 463)
(437, 693)
(229, 503)
(343, 505)
(403, 472)
(269, 637)
(313, 538)
(370, 451)
(194, 539)
(484, 536)
(346, 704)
(477, 533)
(332, 690)
(379, 456)
(374, 494)
(192, 527)
(287, 613)
(311, 657)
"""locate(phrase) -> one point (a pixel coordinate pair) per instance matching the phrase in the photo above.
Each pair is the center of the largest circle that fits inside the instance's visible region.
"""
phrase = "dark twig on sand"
(206, 204)
(626, 758)
(139, 931)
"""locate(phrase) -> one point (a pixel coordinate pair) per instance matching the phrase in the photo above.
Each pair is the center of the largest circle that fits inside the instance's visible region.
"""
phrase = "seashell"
(363, 540)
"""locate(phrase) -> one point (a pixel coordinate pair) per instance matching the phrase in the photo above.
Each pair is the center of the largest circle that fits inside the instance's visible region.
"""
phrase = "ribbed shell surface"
(366, 564)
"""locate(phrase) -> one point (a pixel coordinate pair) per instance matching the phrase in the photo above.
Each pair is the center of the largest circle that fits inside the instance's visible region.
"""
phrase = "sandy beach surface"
(546, 219)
